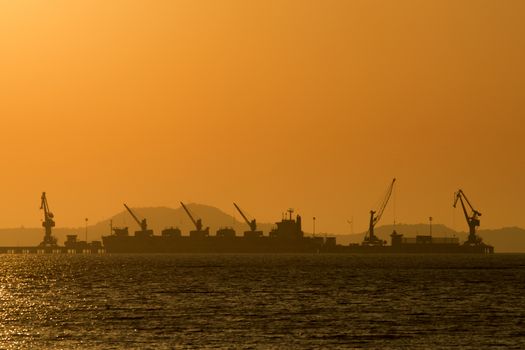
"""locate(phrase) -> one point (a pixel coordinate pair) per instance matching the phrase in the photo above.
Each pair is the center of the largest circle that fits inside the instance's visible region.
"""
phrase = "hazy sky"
(314, 105)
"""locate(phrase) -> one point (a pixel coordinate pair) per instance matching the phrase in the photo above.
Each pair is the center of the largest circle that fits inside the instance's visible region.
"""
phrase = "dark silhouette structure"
(286, 237)
(288, 228)
(198, 232)
(48, 223)
(225, 232)
(472, 218)
(252, 224)
(370, 238)
(143, 224)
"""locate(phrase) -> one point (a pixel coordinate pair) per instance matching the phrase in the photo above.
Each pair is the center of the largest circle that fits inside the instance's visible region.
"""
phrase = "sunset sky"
(314, 105)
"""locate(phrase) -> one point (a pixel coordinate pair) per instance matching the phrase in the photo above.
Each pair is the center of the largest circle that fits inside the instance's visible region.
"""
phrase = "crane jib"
(191, 216)
(242, 214)
(141, 224)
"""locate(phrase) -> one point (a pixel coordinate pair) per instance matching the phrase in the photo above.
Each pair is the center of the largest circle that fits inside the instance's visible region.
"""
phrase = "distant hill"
(509, 239)
(505, 240)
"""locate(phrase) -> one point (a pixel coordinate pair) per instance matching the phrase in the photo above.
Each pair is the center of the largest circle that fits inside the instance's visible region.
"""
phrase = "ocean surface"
(262, 301)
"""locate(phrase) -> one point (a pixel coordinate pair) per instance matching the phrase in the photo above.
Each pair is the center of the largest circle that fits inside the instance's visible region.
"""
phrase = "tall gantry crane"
(252, 224)
(142, 223)
(375, 216)
(197, 223)
(472, 218)
(48, 223)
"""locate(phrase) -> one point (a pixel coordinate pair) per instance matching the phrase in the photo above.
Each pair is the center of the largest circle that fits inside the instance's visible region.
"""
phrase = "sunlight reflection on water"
(290, 301)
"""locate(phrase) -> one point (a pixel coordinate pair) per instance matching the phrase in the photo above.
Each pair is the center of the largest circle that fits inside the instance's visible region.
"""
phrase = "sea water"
(262, 301)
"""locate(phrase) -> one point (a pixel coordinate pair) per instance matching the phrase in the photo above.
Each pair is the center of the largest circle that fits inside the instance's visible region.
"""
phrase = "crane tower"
(375, 215)
(48, 224)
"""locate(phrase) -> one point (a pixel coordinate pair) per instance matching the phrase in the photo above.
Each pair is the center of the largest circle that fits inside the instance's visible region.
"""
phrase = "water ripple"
(262, 301)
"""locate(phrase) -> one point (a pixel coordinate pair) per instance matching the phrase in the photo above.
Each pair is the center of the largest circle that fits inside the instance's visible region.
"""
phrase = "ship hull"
(211, 244)
(269, 245)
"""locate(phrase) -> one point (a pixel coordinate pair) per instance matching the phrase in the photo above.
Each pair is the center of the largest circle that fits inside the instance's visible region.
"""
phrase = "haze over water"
(262, 301)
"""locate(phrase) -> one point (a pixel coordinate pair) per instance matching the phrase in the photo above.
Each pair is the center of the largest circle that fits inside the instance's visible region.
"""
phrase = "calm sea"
(258, 301)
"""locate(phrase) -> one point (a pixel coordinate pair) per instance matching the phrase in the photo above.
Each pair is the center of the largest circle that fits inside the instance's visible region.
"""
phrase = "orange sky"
(314, 105)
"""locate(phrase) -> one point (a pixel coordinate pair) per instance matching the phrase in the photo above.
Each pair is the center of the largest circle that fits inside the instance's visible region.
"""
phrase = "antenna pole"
(395, 197)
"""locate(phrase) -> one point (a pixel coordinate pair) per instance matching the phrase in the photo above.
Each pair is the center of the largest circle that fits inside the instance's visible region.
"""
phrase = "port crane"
(472, 219)
(198, 224)
(48, 223)
(375, 216)
(252, 224)
(142, 223)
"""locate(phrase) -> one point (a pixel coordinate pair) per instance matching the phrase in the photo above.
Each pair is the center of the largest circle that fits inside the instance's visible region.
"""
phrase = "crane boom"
(375, 216)
(197, 226)
(459, 197)
(252, 224)
(143, 224)
(43, 205)
(385, 202)
(472, 219)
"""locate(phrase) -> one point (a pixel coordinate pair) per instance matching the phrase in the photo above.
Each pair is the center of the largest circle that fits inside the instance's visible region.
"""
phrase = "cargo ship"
(286, 237)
